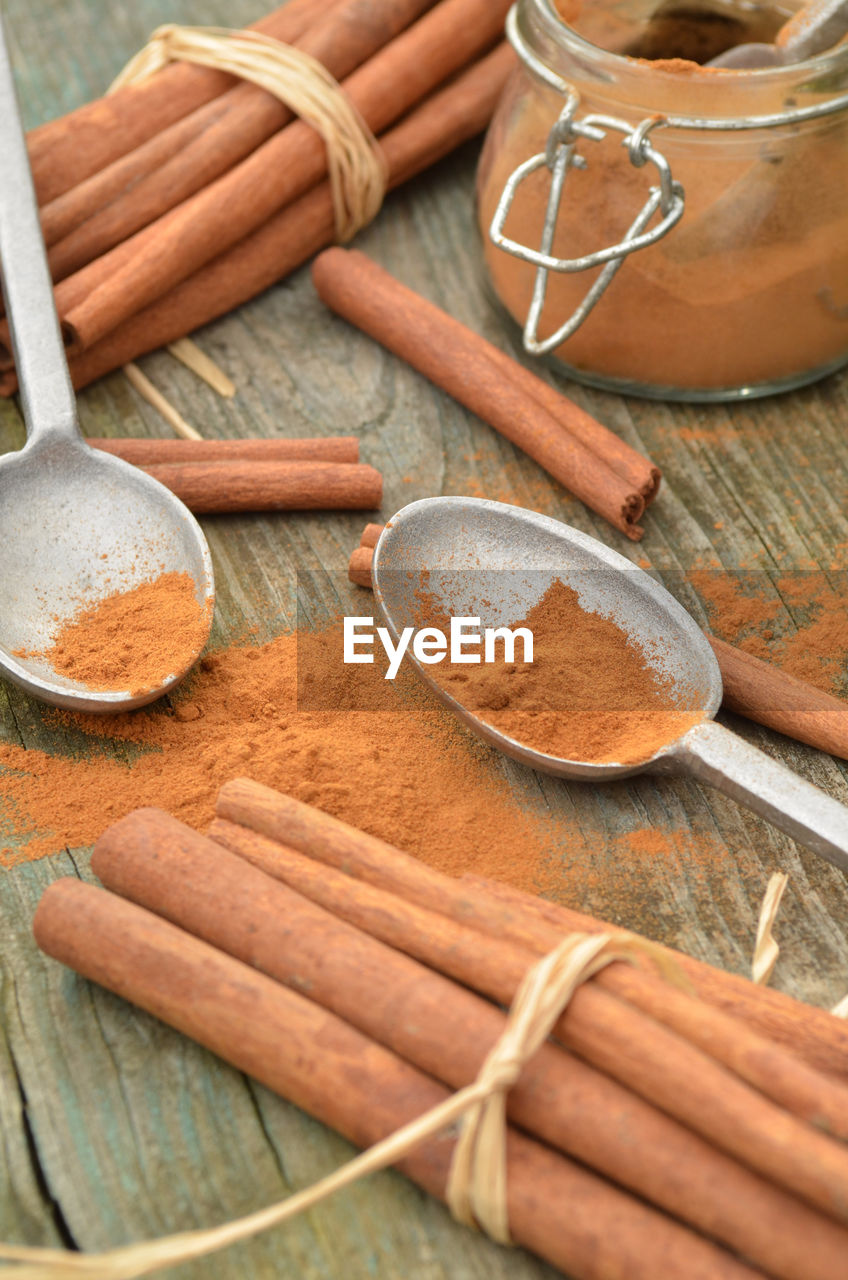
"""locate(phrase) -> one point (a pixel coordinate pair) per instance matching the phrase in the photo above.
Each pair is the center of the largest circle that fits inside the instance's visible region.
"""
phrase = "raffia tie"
(477, 1187)
(766, 949)
(355, 162)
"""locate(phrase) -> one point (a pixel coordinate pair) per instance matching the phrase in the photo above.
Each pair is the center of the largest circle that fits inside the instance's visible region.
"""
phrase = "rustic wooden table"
(113, 1127)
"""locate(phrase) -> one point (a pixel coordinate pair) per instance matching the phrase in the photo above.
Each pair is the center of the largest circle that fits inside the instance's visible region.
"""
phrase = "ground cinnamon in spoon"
(589, 693)
(132, 640)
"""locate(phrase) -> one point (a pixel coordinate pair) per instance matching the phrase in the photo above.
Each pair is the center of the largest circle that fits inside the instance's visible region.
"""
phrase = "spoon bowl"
(488, 560)
(76, 526)
(475, 570)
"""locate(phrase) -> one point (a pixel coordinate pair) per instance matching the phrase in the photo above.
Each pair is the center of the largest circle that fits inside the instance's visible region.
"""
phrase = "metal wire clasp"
(560, 155)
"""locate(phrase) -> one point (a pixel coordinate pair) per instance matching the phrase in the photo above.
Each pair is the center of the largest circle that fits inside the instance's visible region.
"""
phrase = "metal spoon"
(815, 28)
(492, 561)
(76, 524)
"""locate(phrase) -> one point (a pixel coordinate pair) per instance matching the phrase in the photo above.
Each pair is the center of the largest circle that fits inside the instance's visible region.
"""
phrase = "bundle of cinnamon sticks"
(692, 1129)
(170, 202)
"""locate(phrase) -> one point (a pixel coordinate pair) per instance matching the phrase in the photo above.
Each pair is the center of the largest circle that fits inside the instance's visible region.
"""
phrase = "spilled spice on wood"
(386, 758)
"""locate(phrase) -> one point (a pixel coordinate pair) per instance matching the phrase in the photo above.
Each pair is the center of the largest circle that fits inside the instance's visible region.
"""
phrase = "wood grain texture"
(135, 1130)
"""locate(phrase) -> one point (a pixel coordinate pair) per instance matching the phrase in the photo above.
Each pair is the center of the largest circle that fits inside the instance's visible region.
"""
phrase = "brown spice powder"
(131, 640)
(588, 694)
(387, 759)
(803, 629)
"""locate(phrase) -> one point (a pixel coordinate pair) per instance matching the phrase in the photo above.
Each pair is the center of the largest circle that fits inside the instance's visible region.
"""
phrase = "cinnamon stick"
(143, 268)
(71, 148)
(446, 1031)
(238, 485)
(347, 1081)
(433, 130)
(654, 1062)
(762, 692)
(371, 535)
(145, 452)
(811, 1033)
(463, 364)
(219, 135)
(625, 461)
(359, 566)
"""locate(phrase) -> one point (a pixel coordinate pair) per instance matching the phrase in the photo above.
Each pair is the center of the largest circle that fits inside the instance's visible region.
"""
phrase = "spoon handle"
(714, 754)
(812, 29)
(45, 385)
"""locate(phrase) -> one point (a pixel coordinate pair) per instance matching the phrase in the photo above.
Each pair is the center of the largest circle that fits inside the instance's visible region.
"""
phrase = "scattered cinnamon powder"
(388, 759)
(131, 640)
(589, 693)
(800, 621)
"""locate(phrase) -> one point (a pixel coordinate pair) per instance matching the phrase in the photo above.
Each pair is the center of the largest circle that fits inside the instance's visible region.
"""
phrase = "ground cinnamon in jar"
(750, 288)
(131, 640)
(589, 693)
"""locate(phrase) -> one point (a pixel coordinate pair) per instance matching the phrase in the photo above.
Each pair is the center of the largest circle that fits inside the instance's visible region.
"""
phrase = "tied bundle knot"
(356, 166)
(477, 1183)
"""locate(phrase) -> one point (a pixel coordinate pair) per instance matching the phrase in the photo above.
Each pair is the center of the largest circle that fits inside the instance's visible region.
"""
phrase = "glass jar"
(666, 229)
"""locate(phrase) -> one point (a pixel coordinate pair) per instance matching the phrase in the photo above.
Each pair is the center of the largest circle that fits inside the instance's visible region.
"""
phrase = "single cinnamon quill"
(762, 692)
(146, 452)
(463, 364)
(245, 485)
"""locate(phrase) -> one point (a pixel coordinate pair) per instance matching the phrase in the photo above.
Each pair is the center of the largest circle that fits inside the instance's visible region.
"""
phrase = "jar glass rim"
(599, 59)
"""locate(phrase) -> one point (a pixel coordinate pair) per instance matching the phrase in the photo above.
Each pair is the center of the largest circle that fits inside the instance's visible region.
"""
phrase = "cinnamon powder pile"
(388, 759)
(131, 640)
(589, 693)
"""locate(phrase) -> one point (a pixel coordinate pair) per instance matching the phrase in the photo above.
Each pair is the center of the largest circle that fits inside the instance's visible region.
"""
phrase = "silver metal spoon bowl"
(813, 29)
(76, 525)
(494, 562)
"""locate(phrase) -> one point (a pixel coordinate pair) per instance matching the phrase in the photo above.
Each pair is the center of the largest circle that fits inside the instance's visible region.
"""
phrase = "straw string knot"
(477, 1183)
(355, 163)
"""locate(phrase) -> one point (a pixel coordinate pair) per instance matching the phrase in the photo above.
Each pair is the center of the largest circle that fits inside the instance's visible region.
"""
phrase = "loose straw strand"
(766, 949)
(154, 397)
(544, 993)
(190, 354)
(355, 162)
